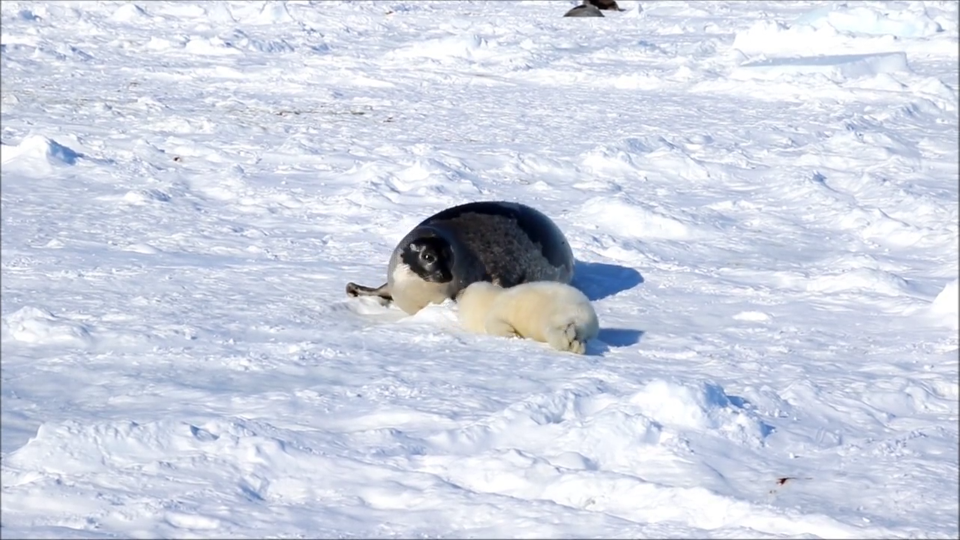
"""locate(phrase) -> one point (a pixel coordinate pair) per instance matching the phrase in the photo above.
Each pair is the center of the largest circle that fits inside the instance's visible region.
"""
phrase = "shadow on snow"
(602, 280)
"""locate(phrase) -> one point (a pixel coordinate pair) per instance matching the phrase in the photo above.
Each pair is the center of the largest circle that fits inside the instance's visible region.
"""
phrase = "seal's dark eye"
(428, 257)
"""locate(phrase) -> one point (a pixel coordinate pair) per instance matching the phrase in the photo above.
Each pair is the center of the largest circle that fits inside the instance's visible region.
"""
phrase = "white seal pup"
(546, 311)
(500, 242)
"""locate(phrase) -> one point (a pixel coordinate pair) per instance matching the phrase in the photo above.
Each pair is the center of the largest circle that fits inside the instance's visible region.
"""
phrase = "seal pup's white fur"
(546, 311)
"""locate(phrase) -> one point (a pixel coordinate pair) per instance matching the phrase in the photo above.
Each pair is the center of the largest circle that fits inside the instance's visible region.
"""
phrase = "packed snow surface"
(761, 196)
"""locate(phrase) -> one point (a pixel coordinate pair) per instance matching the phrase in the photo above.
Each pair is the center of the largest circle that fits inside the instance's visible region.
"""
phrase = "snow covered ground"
(762, 197)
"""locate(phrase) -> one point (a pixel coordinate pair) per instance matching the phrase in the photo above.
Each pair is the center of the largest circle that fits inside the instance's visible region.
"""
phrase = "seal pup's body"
(500, 242)
(545, 311)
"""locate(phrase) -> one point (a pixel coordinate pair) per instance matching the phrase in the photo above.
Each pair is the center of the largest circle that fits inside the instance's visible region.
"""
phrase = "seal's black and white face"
(430, 258)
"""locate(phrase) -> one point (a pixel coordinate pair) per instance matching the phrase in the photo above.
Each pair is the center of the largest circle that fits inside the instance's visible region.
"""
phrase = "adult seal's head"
(501, 242)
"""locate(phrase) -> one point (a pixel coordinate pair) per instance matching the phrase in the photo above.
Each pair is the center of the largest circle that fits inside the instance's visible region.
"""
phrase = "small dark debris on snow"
(782, 481)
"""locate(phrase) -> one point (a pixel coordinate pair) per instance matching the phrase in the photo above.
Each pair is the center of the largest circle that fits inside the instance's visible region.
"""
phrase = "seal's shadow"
(599, 281)
(620, 337)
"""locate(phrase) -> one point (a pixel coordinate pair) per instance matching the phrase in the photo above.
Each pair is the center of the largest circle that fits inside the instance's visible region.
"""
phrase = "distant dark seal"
(593, 8)
(606, 5)
(585, 10)
(501, 242)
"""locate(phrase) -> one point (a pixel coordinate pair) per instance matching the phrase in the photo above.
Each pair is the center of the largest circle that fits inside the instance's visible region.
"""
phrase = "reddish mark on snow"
(782, 481)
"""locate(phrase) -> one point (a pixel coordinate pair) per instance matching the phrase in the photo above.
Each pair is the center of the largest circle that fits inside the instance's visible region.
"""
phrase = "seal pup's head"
(474, 303)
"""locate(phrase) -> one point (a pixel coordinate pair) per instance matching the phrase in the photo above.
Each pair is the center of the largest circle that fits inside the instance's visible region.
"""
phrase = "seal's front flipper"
(382, 291)
(499, 327)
